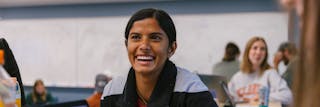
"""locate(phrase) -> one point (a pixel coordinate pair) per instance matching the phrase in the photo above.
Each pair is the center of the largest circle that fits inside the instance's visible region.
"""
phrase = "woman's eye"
(155, 37)
(263, 48)
(135, 37)
(255, 48)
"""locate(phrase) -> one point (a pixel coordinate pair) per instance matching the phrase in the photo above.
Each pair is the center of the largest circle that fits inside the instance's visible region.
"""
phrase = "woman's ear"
(126, 43)
(172, 49)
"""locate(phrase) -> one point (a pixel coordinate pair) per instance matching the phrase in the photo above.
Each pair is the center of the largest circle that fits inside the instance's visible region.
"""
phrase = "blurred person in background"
(287, 53)
(230, 63)
(255, 73)
(100, 82)
(39, 95)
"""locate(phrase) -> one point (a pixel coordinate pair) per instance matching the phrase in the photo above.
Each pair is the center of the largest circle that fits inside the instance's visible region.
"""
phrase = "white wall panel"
(71, 51)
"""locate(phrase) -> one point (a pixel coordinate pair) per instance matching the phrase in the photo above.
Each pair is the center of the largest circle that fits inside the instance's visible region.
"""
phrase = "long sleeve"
(279, 89)
(233, 85)
(50, 98)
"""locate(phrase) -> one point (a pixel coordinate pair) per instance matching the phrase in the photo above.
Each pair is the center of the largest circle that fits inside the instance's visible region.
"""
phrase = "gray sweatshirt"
(246, 86)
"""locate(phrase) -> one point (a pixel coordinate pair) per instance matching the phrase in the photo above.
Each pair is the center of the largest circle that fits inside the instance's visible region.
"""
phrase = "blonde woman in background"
(255, 73)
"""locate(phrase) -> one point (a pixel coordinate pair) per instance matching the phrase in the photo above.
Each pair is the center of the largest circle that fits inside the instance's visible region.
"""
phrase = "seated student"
(94, 99)
(230, 63)
(287, 53)
(39, 95)
(153, 80)
(255, 73)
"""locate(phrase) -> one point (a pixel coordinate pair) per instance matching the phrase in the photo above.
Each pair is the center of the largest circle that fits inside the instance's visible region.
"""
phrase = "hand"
(255, 98)
(277, 59)
(14, 79)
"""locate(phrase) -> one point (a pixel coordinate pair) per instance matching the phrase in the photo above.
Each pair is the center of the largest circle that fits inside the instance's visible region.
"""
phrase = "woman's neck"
(145, 84)
(256, 68)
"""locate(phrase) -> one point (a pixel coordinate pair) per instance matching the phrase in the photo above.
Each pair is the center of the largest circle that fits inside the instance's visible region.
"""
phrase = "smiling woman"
(148, 47)
(255, 73)
(153, 80)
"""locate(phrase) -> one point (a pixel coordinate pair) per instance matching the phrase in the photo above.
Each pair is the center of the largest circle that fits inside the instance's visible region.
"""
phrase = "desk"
(271, 104)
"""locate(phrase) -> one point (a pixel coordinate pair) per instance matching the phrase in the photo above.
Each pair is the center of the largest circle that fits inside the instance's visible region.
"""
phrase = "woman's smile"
(145, 60)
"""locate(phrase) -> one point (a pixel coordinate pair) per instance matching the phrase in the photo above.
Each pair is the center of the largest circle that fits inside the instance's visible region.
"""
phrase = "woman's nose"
(259, 51)
(145, 45)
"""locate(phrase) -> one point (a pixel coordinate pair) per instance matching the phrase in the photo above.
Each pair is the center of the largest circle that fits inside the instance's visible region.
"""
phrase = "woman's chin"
(144, 70)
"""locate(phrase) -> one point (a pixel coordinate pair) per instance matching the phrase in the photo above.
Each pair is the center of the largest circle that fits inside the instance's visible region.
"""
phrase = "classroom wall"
(68, 45)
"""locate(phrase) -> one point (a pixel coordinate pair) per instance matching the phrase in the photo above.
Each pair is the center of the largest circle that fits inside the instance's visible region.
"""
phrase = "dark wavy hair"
(163, 18)
(231, 52)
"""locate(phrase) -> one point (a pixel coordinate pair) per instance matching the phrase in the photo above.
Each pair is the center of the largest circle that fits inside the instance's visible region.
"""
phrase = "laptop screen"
(212, 82)
(226, 91)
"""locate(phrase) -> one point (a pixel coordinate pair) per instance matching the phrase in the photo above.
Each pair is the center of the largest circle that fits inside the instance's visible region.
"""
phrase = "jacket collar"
(162, 92)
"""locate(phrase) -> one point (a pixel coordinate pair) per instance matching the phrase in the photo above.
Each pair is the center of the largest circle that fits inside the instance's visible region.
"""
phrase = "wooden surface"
(271, 104)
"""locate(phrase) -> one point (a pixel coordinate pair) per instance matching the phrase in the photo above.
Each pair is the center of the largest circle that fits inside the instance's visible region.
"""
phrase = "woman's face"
(40, 89)
(257, 53)
(148, 46)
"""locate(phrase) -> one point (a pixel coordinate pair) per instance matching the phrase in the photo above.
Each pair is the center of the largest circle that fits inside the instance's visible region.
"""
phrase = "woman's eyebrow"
(134, 33)
(156, 33)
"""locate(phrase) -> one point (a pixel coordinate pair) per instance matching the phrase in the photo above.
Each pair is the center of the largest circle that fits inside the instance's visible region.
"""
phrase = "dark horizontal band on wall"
(126, 9)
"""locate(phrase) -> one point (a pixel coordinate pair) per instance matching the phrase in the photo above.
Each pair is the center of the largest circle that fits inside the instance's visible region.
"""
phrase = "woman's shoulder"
(48, 93)
(189, 82)
(234, 62)
(218, 64)
(115, 86)
(29, 95)
(271, 71)
(238, 77)
(238, 74)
